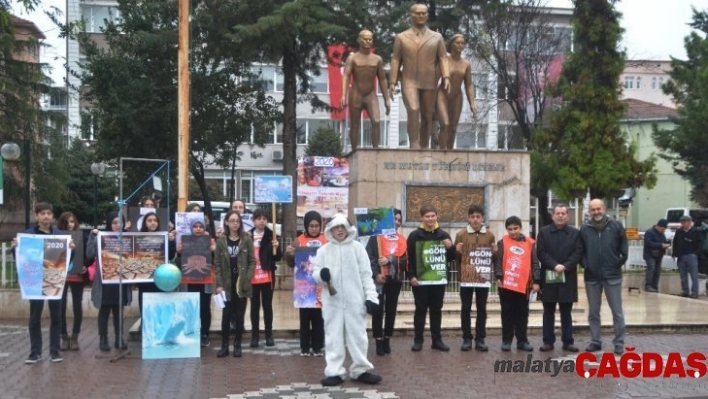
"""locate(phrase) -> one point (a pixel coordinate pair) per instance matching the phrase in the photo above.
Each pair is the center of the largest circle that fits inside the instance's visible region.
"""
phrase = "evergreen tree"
(324, 143)
(686, 144)
(585, 143)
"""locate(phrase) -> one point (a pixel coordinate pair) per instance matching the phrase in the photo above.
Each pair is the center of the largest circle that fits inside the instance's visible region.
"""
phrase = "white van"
(674, 214)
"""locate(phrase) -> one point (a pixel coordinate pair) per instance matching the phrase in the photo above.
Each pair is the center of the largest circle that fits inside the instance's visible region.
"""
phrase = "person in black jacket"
(605, 250)
(559, 249)
(44, 213)
(428, 292)
(263, 281)
(654, 249)
(687, 244)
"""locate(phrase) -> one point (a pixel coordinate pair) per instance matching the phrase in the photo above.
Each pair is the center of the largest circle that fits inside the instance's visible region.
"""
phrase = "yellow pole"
(275, 249)
(183, 106)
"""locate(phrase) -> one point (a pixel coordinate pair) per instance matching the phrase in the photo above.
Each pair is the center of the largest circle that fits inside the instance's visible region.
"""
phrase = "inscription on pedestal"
(452, 202)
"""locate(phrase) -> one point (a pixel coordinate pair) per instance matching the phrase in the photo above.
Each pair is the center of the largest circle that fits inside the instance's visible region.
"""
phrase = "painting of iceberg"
(170, 325)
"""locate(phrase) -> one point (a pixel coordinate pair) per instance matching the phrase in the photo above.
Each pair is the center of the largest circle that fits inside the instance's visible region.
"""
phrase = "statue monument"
(364, 67)
(422, 53)
(449, 103)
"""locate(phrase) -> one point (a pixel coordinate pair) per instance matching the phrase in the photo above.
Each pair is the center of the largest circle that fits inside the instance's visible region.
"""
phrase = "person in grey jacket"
(605, 249)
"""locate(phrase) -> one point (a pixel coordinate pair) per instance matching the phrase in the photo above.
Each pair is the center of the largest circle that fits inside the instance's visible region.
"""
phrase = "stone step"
(493, 307)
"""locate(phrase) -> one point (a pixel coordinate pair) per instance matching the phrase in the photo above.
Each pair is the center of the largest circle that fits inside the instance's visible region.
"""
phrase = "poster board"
(322, 186)
(196, 260)
(306, 292)
(171, 327)
(375, 221)
(138, 255)
(476, 267)
(431, 262)
(42, 262)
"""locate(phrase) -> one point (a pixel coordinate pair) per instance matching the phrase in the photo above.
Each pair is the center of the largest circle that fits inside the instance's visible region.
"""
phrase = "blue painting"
(171, 325)
(277, 189)
(375, 221)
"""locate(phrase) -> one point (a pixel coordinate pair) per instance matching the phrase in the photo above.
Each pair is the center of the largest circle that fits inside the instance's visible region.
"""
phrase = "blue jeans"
(688, 264)
(653, 271)
(549, 319)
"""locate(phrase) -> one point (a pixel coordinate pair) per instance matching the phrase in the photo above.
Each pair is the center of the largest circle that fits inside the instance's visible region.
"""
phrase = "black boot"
(254, 339)
(120, 343)
(224, 351)
(237, 346)
(103, 344)
(380, 347)
(387, 345)
(269, 338)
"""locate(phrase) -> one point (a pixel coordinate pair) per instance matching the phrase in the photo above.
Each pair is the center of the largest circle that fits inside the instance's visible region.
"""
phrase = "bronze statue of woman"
(449, 105)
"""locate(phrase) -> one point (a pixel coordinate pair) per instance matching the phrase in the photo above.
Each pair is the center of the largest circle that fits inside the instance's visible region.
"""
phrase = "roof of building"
(642, 110)
(29, 26)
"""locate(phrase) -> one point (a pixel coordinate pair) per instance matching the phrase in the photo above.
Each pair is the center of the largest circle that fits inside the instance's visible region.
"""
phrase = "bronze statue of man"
(449, 104)
(422, 53)
(364, 67)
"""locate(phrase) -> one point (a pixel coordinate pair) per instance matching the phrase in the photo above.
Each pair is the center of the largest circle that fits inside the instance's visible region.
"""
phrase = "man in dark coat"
(559, 250)
(687, 244)
(655, 245)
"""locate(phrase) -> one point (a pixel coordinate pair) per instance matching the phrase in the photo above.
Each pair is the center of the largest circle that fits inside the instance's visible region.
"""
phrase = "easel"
(165, 163)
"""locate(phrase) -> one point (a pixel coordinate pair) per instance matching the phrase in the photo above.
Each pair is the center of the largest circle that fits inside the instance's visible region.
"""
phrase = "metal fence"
(8, 274)
(635, 258)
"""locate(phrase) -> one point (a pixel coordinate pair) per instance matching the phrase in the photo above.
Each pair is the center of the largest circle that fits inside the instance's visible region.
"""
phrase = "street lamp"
(11, 152)
(97, 169)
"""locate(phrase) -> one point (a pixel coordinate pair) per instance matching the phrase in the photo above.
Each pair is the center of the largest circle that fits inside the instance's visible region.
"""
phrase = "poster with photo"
(278, 189)
(431, 260)
(196, 260)
(375, 221)
(136, 255)
(171, 327)
(306, 292)
(42, 262)
(322, 186)
(476, 266)
(184, 222)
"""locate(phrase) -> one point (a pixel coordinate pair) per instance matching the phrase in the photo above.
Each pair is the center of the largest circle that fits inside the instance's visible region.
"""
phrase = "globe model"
(167, 277)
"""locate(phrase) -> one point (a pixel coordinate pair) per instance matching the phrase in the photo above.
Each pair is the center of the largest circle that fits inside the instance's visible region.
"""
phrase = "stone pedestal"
(450, 180)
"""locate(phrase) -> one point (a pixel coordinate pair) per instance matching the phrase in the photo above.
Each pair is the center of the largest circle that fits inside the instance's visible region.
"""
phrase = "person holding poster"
(427, 267)
(105, 297)
(263, 281)
(74, 282)
(559, 249)
(205, 291)
(516, 268)
(234, 263)
(44, 213)
(305, 287)
(151, 224)
(343, 266)
(475, 247)
(387, 253)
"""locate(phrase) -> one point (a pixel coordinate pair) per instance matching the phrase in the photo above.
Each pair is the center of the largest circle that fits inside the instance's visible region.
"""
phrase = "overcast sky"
(654, 29)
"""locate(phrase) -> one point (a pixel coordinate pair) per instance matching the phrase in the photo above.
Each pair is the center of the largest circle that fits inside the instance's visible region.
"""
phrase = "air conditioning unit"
(277, 155)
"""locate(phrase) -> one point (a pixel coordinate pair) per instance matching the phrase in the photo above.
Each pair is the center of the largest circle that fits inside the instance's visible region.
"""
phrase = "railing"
(635, 258)
(8, 274)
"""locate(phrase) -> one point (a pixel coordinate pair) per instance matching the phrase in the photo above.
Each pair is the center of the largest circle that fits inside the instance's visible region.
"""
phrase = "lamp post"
(97, 169)
(11, 152)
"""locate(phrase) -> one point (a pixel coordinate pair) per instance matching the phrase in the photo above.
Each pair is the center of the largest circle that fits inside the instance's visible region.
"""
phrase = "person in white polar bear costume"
(343, 264)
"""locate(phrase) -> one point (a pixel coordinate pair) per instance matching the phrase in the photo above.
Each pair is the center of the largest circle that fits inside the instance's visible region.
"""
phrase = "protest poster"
(322, 186)
(375, 221)
(196, 260)
(184, 222)
(391, 245)
(306, 292)
(476, 266)
(277, 189)
(431, 262)
(42, 262)
(171, 327)
(136, 256)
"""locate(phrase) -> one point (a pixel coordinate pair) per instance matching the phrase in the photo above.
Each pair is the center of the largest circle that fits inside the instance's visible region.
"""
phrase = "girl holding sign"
(74, 281)
(516, 268)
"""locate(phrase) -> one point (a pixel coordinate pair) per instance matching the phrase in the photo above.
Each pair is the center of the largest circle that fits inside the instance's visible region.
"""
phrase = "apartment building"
(642, 80)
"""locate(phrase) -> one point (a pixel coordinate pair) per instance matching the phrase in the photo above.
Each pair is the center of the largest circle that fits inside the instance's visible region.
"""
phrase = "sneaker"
(305, 353)
(417, 346)
(480, 346)
(56, 357)
(593, 348)
(524, 346)
(439, 345)
(506, 346)
(205, 341)
(318, 353)
(619, 350)
(332, 381)
(546, 347)
(33, 358)
(368, 378)
(570, 348)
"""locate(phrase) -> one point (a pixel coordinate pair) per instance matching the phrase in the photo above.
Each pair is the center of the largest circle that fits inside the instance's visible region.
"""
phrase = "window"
(279, 133)
(301, 131)
(279, 80)
(653, 82)
(318, 84)
(481, 86)
(510, 138)
(403, 134)
(628, 82)
(639, 82)
(266, 75)
(95, 17)
(470, 136)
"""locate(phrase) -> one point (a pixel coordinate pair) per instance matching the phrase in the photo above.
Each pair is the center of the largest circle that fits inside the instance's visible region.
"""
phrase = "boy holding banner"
(431, 249)
(475, 247)
(516, 268)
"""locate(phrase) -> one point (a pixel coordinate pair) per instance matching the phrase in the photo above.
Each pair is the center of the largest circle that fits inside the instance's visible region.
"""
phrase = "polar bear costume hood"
(340, 220)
